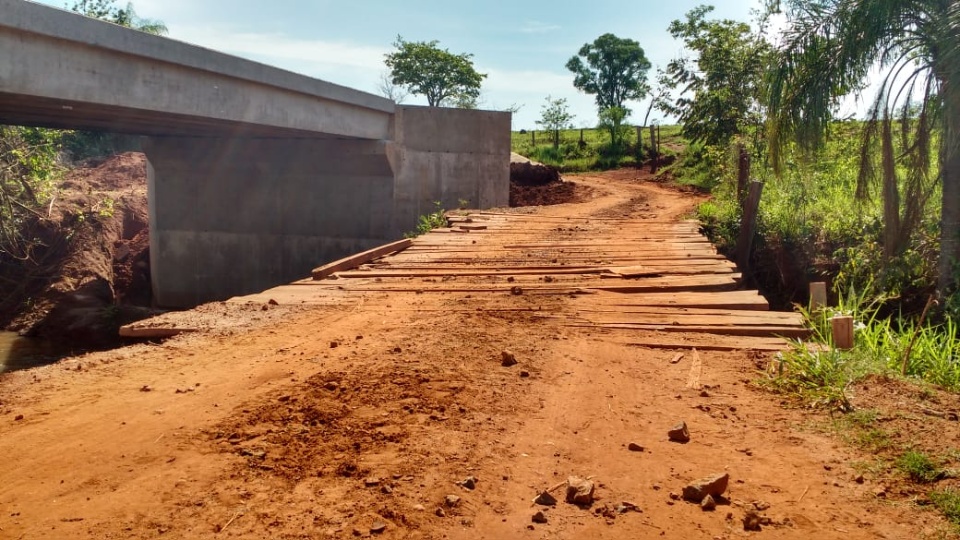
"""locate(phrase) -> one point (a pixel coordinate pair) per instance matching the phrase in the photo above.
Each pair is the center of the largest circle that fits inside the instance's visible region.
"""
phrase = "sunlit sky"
(522, 46)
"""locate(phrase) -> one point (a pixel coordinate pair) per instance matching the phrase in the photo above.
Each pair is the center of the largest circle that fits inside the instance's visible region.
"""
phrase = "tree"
(554, 116)
(387, 89)
(436, 73)
(721, 89)
(828, 49)
(106, 10)
(613, 69)
(611, 120)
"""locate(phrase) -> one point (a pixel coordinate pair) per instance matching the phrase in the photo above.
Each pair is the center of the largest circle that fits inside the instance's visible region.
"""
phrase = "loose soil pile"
(536, 184)
(93, 272)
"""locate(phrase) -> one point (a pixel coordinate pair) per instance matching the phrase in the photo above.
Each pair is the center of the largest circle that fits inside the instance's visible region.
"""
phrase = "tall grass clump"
(891, 346)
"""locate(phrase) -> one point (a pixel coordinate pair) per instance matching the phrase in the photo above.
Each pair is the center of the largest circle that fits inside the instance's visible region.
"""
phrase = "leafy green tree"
(611, 120)
(106, 10)
(829, 47)
(611, 68)
(439, 75)
(554, 116)
(721, 89)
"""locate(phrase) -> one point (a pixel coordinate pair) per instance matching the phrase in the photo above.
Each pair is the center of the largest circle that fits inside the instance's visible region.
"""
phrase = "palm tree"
(828, 50)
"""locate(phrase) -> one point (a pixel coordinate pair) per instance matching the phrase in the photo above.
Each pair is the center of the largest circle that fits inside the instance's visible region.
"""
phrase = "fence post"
(748, 225)
(533, 136)
(842, 328)
(653, 149)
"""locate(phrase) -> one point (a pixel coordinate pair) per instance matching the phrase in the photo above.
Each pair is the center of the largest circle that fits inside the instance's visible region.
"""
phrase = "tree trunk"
(950, 176)
(891, 194)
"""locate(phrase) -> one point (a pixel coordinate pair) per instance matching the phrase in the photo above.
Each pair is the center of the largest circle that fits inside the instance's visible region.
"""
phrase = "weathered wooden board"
(354, 261)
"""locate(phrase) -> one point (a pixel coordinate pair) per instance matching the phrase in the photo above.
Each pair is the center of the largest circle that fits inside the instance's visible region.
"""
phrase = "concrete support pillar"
(236, 216)
(447, 155)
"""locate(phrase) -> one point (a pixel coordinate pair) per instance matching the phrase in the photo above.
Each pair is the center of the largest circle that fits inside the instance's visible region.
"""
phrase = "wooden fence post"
(748, 226)
(653, 149)
(533, 136)
(842, 327)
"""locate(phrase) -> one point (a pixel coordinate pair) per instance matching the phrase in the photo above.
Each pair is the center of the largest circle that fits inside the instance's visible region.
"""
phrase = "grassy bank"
(580, 150)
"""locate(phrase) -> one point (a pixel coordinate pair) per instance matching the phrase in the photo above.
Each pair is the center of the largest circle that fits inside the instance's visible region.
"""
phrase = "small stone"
(371, 481)
(470, 483)
(761, 506)
(881, 493)
(714, 485)
(18, 418)
(273, 302)
(539, 517)
(452, 501)
(704, 393)
(334, 344)
(634, 447)
(545, 499)
(579, 491)
(859, 479)
(331, 386)
(708, 504)
(524, 374)
(385, 489)
(674, 496)
(627, 506)
(679, 433)
(508, 359)
(751, 521)
(516, 291)
(440, 512)
(378, 527)
(419, 507)
(146, 388)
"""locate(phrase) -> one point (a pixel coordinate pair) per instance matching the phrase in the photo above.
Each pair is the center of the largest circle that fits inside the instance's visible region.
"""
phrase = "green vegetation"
(554, 116)
(948, 502)
(439, 75)
(428, 222)
(723, 88)
(919, 467)
(594, 150)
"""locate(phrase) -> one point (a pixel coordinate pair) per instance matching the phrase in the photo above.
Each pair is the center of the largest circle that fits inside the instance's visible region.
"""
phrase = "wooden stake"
(842, 332)
(693, 379)
(818, 295)
(748, 226)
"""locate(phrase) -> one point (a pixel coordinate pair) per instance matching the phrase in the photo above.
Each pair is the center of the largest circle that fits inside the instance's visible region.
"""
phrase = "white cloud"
(284, 51)
(539, 27)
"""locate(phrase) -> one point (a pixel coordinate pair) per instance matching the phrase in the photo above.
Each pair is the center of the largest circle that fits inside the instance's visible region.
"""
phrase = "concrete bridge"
(256, 174)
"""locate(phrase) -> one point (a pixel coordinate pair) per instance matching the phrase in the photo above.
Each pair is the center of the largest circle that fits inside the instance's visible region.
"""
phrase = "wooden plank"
(160, 332)
(356, 260)
(740, 344)
(723, 318)
(733, 330)
(696, 368)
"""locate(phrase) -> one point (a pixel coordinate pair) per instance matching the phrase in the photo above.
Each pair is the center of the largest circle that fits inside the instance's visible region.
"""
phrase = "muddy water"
(20, 353)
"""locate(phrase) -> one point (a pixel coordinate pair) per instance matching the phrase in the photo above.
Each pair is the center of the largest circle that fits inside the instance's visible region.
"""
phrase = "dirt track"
(321, 422)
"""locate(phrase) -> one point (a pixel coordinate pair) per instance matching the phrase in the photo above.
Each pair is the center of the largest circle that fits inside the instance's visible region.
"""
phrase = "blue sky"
(521, 45)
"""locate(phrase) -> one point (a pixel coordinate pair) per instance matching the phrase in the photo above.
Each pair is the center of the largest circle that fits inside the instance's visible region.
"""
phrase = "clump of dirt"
(536, 184)
(92, 273)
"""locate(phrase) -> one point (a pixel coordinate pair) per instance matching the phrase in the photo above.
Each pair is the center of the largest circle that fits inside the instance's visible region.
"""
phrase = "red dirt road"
(330, 421)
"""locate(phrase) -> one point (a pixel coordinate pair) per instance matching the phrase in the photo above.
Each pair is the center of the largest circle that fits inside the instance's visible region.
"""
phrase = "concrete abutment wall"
(233, 216)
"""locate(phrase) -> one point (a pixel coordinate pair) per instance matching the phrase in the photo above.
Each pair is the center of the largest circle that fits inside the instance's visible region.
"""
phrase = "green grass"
(948, 502)
(919, 467)
(595, 151)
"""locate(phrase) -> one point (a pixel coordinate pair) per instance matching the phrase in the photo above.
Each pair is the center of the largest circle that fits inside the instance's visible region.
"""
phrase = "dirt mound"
(93, 272)
(536, 184)
(525, 172)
